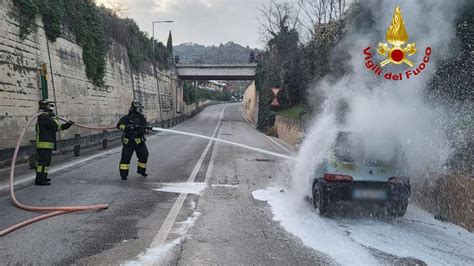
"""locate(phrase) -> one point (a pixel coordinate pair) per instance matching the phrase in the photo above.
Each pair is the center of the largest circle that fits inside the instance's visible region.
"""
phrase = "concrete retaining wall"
(250, 104)
(187, 109)
(449, 198)
(289, 130)
(77, 98)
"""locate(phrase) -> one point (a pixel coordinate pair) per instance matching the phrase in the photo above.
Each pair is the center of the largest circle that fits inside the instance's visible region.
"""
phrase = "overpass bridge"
(216, 72)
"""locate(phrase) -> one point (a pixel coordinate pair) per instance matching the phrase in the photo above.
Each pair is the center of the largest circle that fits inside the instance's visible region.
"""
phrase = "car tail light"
(337, 178)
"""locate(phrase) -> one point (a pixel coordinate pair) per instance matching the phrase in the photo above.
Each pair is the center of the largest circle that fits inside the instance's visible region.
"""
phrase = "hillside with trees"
(228, 53)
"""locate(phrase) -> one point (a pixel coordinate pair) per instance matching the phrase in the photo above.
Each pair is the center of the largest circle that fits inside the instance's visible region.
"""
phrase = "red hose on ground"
(88, 127)
(53, 211)
(30, 221)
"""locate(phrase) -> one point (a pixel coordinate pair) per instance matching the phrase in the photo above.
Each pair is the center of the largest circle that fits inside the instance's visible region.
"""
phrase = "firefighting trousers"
(127, 152)
(44, 161)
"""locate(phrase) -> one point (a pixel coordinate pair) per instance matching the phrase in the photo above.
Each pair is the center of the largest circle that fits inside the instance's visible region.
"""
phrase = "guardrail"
(75, 144)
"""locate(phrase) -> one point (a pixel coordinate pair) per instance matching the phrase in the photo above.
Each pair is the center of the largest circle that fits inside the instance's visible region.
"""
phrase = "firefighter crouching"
(46, 128)
(133, 139)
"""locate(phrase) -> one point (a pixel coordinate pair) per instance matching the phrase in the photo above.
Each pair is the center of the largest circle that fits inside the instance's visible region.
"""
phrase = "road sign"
(275, 102)
(276, 91)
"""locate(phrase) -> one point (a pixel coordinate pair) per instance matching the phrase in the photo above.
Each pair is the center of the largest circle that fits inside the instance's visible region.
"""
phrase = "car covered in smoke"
(362, 168)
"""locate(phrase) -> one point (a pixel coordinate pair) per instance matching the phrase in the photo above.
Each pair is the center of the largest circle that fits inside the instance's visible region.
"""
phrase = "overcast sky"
(200, 21)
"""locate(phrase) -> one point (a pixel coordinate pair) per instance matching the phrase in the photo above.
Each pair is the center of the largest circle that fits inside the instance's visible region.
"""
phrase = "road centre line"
(165, 228)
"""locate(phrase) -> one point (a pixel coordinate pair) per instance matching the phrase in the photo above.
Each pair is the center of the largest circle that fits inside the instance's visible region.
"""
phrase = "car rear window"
(367, 149)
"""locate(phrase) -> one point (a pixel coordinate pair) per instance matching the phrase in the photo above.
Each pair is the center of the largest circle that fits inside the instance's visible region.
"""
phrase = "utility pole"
(240, 89)
(196, 91)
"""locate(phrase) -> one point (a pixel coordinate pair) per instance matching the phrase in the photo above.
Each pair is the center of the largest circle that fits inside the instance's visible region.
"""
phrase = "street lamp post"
(240, 90)
(153, 61)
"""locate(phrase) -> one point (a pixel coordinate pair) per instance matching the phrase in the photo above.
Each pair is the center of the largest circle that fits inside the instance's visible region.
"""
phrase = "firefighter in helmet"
(46, 127)
(133, 139)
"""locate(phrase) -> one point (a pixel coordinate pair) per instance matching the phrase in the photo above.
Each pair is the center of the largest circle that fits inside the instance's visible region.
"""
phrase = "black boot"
(42, 179)
(124, 174)
(42, 182)
(142, 172)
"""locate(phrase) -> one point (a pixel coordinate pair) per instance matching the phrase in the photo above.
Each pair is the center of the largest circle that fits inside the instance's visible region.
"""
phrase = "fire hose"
(55, 211)
(51, 211)
(88, 127)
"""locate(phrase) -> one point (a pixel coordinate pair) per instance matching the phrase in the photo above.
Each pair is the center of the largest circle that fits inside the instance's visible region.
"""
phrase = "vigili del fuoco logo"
(396, 52)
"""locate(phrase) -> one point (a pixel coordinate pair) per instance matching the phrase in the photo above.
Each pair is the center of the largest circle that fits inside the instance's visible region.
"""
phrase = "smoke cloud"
(378, 106)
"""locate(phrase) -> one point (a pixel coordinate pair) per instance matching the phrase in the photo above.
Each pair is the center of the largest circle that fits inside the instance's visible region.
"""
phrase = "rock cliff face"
(77, 98)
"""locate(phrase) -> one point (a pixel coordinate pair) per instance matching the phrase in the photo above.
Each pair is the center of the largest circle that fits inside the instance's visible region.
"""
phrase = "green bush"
(191, 95)
(297, 112)
(214, 95)
(86, 22)
(28, 11)
(53, 14)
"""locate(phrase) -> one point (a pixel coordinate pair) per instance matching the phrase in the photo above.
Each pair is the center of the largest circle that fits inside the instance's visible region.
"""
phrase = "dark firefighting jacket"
(136, 135)
(46, 129)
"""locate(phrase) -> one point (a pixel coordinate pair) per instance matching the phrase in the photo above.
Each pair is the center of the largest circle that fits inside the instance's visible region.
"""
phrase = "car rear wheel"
(398, 209)
(320, 199)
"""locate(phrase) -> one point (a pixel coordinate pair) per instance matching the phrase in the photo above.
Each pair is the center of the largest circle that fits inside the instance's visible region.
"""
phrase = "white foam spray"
(394, 108)
(226, 142)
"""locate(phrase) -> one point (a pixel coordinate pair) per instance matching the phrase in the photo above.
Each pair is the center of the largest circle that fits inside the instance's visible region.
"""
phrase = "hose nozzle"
(145, 127)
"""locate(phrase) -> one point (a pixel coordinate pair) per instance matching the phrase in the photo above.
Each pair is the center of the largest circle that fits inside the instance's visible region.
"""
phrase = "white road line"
(165, 228)
(22, 180)
(210, 166)
(196, 116)
(269, 138)
(59, 168)
(279, 145)
(246, 119)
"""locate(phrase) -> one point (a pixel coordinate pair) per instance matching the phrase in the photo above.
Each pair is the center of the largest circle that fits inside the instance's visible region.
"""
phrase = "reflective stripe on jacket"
(126, 141)
(46, 129)
(137, 135)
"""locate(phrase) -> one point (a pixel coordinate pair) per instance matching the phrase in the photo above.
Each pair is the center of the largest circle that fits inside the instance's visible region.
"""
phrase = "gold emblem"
(397, 35)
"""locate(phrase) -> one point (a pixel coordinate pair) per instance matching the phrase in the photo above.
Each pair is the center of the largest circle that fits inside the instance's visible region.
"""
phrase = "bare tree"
(275, 16)
(314, 12)
(318, 12)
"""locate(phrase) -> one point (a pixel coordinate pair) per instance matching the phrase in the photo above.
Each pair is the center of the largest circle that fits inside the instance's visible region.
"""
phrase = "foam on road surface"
(235, 229)
(185, 188)
(208, 203)
(350, 241)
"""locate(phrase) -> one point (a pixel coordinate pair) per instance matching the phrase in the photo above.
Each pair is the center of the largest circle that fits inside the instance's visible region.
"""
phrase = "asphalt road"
(207, 202)
(232, 226)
